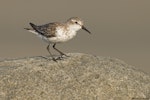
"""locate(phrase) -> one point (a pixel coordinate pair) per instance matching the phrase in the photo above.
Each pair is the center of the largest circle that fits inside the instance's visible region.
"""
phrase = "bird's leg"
(50, 53)
(61, 53)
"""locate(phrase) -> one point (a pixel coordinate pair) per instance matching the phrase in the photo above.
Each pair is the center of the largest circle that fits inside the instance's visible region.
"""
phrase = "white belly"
(62, 37)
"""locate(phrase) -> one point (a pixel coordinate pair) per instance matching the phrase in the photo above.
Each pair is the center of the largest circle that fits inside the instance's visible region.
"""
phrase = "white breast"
(62, 36)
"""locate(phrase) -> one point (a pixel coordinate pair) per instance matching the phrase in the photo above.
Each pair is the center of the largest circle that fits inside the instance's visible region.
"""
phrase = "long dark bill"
(86, 29)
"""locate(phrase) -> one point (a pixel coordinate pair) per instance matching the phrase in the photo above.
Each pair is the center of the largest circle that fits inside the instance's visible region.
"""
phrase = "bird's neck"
(73, 28)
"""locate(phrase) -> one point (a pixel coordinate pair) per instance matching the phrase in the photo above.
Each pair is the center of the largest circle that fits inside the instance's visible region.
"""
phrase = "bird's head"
(76, 24)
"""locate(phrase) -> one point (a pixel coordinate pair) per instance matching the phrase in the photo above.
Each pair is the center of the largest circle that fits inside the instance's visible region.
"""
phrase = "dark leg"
(61, 53)
(50, 53)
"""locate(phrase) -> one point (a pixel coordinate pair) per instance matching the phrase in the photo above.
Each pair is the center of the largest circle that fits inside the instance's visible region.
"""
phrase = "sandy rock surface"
(78, 77)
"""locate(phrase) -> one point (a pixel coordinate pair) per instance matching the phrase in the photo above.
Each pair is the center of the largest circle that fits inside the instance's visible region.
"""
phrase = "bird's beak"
(86, 29)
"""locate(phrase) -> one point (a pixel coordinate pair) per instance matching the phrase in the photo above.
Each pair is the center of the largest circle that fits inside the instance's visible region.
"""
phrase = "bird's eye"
(76, 22)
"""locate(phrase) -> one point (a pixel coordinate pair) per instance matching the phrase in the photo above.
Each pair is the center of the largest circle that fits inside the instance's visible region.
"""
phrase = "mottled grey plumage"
(47, 30)
(58, 32)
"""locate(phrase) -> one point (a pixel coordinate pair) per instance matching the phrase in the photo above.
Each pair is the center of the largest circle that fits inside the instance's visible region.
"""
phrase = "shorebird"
(58, 32)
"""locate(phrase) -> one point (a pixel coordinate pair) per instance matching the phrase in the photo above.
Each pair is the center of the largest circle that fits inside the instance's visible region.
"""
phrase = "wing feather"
(47, 30)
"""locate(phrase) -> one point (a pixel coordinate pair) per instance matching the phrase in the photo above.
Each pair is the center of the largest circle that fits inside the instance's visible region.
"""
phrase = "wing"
(47, 30)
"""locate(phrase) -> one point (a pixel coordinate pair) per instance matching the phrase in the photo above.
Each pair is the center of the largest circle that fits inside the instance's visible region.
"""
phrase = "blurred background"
(121, 28)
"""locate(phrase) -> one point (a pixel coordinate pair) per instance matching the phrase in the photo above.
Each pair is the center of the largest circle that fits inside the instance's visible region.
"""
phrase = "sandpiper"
(57, 32)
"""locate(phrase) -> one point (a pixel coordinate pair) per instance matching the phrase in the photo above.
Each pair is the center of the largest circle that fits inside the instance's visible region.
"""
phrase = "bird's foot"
(45, 57)
(54, 59)
(49, 58)
(62, 56)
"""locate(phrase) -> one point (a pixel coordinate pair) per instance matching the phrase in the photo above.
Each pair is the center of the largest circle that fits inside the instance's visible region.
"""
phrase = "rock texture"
(78, 77)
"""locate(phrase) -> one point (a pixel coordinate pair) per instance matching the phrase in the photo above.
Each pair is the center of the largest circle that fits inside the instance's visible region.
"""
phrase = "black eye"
(76, 22)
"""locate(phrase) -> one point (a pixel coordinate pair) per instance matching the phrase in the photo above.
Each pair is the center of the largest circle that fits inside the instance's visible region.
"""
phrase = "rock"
(78, 77)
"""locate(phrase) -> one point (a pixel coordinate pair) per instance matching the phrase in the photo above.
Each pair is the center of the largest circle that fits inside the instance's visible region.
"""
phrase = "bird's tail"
(36, 28)
(32, 30)
(27, 28)
(33, 26)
